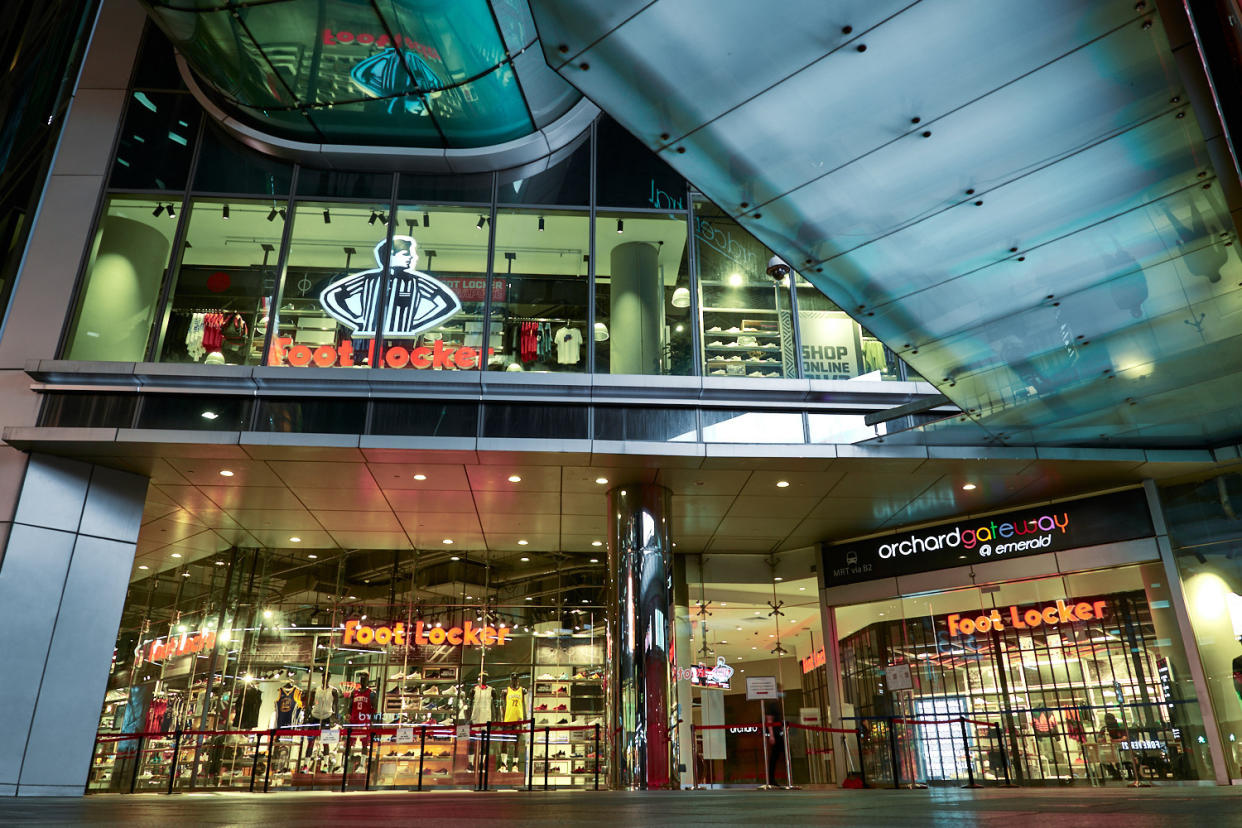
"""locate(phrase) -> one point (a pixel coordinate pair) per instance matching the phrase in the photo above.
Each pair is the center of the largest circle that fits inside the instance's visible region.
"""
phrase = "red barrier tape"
(819, 729)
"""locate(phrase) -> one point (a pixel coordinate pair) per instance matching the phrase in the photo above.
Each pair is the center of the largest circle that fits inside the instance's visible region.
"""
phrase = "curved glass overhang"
(425, 82)
(1024, 201)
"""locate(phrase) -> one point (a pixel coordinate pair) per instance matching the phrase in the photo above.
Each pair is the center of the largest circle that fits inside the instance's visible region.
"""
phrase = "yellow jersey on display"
(515, 704)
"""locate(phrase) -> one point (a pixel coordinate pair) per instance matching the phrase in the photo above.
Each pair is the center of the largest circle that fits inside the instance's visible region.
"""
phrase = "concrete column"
(637, 310)
(640, 638)
(63, 578)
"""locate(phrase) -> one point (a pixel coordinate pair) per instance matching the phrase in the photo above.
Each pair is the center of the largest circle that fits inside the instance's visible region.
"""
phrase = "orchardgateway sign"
(1061, 526)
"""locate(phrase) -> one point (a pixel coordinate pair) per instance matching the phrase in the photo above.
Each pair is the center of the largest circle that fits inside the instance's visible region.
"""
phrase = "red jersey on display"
(360, 707)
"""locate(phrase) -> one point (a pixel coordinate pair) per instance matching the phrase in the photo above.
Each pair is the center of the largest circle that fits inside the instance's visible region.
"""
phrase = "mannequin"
(288, 703)
(361, 702)
(323, 703)
(481, 712)
(515, 711)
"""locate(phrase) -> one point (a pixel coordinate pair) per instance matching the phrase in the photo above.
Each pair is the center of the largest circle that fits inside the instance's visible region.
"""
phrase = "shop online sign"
(1061, 526)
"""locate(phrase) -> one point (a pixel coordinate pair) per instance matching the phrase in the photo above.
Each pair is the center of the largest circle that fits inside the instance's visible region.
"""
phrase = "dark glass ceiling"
(1018, 198)
(404, 73)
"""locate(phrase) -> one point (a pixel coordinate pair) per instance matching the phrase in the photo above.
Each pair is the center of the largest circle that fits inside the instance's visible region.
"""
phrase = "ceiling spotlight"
(420, 477)
(225, 473)
(271, 216)
(482, 221)
(312, 556)
(541, 224)
(224, 212)
(219, 563)
(171, 212)
(383, 219)
(597, 543)
(969, 487)
(778, 578)
(176, 554)
(210, 415)
(585, 601)
(373, 217)
(620, 227)
(143, 566)
(185, 574)
(735, 280)
(426, 220)
(782, 484)
(267, 613)
(447, 541)
(525, 559)
(327, 217)
(295, 539)
(515, 478)
(594, 560)
(523, 543)
(159, 210)
(603, 481)
(801, 589)
(528, 598)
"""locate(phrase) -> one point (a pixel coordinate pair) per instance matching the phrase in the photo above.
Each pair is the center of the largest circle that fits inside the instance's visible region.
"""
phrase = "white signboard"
(331, 736)
(810, 716)
(829, 345)
(761, 687)
(405, 735)
(463, 731)
(898, 677)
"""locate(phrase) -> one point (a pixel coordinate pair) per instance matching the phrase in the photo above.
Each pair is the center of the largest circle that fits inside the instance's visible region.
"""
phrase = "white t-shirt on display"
(568, 346)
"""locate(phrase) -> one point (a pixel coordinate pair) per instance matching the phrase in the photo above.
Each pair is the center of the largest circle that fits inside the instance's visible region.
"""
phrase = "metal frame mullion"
(282, 261)
(485, 345)
(381, 298)
(696, 316)
(589, 334)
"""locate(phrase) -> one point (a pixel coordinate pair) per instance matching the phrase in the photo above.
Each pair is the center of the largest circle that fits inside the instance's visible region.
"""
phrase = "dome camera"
(777, 269)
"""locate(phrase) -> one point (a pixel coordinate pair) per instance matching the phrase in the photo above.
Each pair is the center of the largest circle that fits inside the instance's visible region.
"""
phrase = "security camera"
(777, 269)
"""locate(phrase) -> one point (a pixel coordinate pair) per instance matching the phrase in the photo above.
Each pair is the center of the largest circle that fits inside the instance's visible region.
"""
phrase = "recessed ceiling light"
(594, 560)
(447, 541)
(735, 280)
(597, 543)
(267, 613)
(801, 589)
(143, 566)
(351, 597)
(754, 648)
(525, 559)
(528, 598)
(969, 487)
(515, 478)
(585, 601)
(312, 557)
(210, 415)
(420, 477)
(219, 563)
(782, 484)
(295, 539)
(185, 574)
(176, 554)
(454, 558)
(225, 473)
(523, 542)
(739, 629)
(778, 578)
(601, 480)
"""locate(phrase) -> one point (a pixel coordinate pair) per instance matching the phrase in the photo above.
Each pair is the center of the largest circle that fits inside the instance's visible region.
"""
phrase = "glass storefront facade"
(1073, 677)
(207, 252)
(295, 670)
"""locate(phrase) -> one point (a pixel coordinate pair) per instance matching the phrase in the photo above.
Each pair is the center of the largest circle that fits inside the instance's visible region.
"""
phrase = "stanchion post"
(530, 757)
(254, 763)
(546, 740)
(172, 767)
(970, 770)
(487, 755)
(597, 755)
(349, 744)
(1004, 755)
(271, 756)
(366, 785)
(862, 765)
(892, 751)
(133, 782)
(422, 748)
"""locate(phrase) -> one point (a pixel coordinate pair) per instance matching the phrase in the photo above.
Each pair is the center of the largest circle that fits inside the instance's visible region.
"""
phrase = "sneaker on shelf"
(717, 344)
(580, 675)
(544, 676)
(734, 329)
(562, 691)
(541, 708)
(564, 676)
(714, 329)
(560, 708)
(563, 721)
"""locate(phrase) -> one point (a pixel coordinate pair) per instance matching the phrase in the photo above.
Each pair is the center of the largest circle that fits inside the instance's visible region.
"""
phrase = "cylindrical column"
(640, 634)
(637, 304)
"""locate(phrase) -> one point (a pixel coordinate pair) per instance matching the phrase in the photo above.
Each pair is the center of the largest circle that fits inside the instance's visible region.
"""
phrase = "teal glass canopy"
(1017, 198)
(399, 73)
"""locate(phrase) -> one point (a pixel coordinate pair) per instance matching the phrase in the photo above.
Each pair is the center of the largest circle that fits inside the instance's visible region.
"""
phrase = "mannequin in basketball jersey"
(288, 704)
(515, 711)
(361, 702)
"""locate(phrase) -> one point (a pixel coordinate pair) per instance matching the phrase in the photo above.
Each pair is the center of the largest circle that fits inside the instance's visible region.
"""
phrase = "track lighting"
(383, 219)
(541, 224)
(224, 212)
(482, 221)
(327, 217)
(426, 220)
(272, 215)
(171, 212)
(282, 213)
(159, 210)
(374, 216)
(620, 227)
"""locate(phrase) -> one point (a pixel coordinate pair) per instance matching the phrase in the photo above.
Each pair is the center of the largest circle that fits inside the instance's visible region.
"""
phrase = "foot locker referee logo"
(416, 301)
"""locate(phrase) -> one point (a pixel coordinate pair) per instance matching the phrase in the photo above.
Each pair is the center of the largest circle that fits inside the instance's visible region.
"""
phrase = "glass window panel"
(344, 184)
(216, 413)
(630, 175)
(88, 410)
(432, 188)
(539, 291)
(436, 301)
(841, 428)
(745, 314)
(156, 142)
(157, 65)
(316, 416)
(424, 419)
(126, 265)
(336, 251)
(566, 182)
(642, 295)
(219, 306)
(227, 166)
(535, 421)
(721, 426)
(659, 424)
